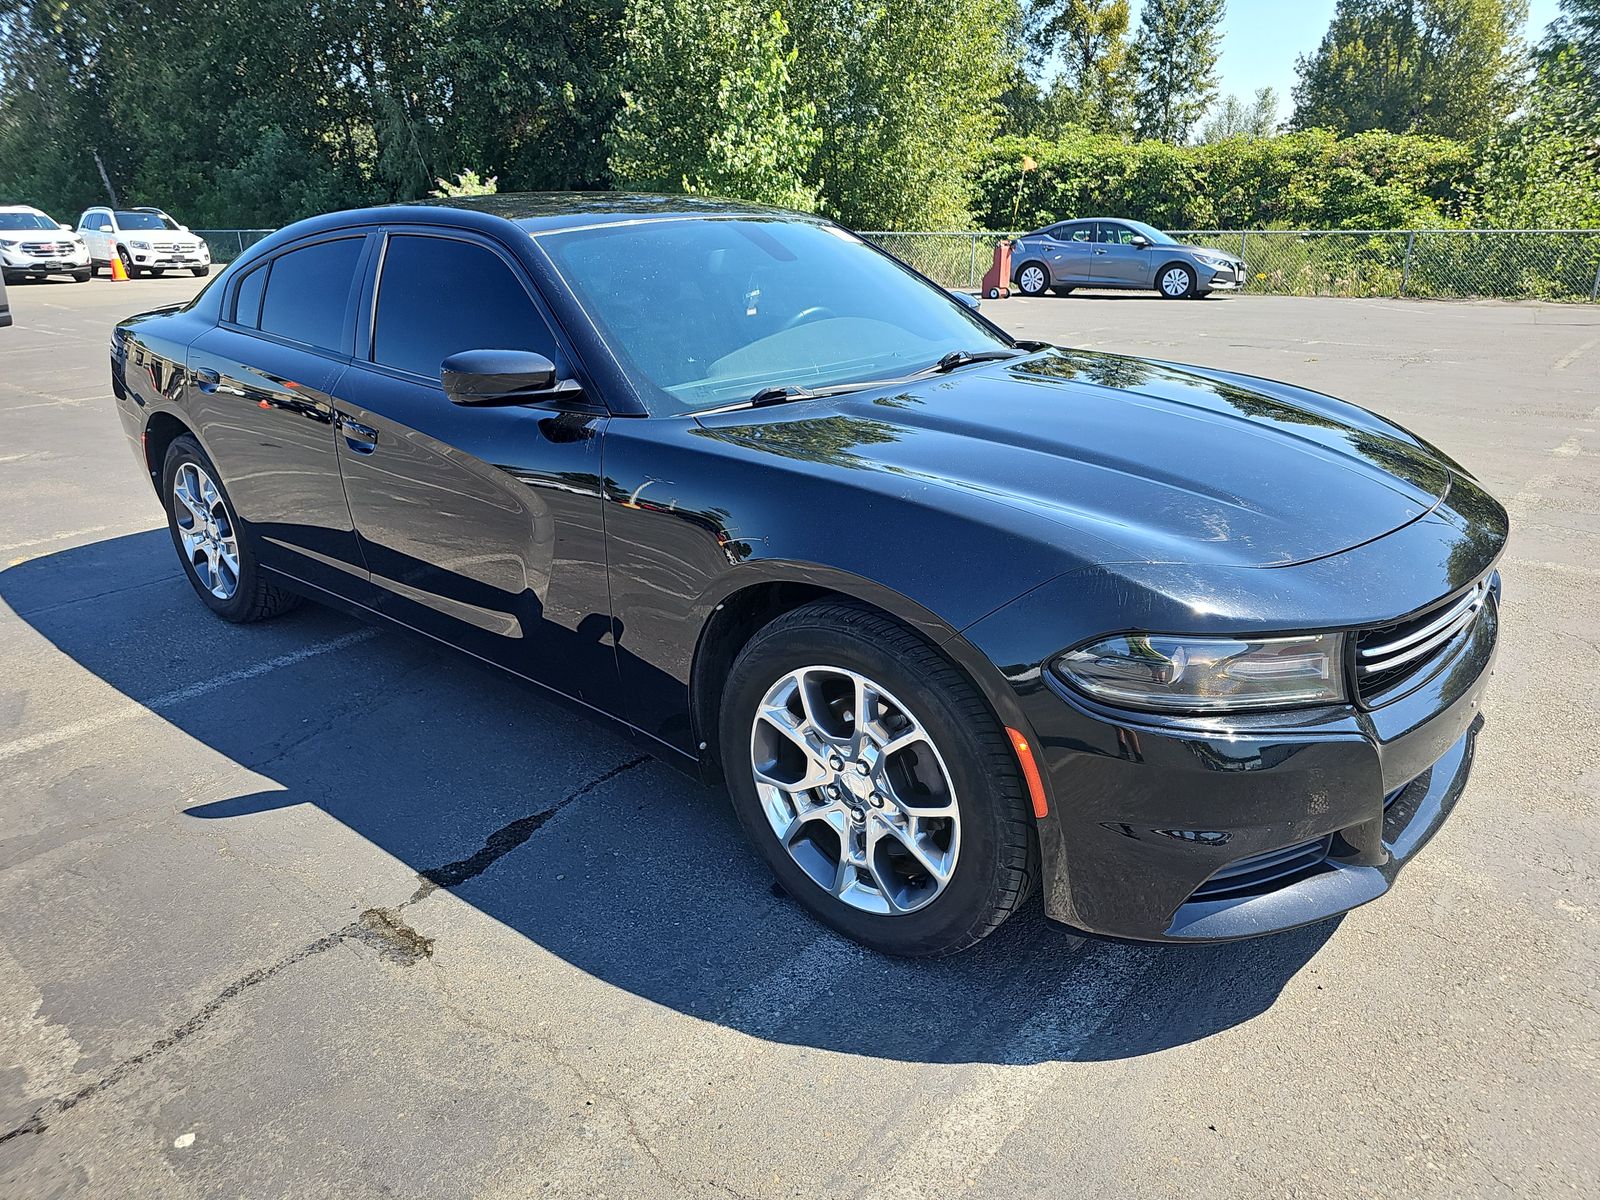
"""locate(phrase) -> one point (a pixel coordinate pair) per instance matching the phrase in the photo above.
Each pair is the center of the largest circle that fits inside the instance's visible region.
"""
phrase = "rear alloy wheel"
(1033, 279)
(216, 552)
(1176, 282)
(875, 781)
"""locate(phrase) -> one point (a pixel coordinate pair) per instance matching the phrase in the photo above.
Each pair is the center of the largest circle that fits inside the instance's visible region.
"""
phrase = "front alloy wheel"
(1177, 281)
(876, 782)
(855, 789)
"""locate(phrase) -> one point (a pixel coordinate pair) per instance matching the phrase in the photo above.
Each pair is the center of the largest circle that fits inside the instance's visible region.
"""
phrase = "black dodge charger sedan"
(953, 617)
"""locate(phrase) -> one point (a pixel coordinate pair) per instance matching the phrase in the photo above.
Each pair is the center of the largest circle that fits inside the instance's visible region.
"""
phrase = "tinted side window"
(1116, 235)
(309, 291)
(1075, 233)
(439, 296)
(247, 308)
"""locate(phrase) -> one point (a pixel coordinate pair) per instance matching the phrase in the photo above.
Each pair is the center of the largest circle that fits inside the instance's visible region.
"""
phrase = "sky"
(1262, 38)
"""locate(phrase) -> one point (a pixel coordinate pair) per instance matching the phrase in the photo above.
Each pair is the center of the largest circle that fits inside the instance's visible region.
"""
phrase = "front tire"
(82, 276)
(217, 554)
(199, 272)
(876, 782)
(1033, 279)
(1175, 282)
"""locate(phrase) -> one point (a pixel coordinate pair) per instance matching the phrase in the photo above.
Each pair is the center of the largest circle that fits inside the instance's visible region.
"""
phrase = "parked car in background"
(1110, 252)
(147, 241)
(34, 245)
(954, 617)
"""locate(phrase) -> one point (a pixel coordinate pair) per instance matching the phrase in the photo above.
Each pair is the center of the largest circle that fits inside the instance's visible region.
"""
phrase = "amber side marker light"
(1030, 772)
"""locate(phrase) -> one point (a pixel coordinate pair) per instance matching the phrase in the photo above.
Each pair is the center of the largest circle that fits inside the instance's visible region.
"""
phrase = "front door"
(260, 388)
(481, 525)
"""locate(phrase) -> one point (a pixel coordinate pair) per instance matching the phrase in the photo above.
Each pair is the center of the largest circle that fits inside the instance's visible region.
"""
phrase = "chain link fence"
(228, 244)
(1521, 264)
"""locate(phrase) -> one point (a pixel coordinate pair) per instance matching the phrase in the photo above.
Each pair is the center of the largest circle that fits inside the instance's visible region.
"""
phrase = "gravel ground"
(223, 972)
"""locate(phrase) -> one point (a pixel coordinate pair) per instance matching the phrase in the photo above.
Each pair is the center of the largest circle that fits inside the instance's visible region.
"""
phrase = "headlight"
(1214, 263)
(139, 245)
(1184, 674)
(7, 244)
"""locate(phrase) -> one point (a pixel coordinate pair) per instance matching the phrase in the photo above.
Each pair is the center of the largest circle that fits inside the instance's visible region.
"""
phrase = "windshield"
(1157, 238)
(26, 220)
(706, 312)
(141, 220)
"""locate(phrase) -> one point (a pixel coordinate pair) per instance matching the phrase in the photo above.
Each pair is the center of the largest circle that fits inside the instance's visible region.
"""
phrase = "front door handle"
(363, 439)
(1102, 252)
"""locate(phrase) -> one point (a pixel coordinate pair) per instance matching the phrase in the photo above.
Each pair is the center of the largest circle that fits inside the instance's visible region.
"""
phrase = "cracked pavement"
(306, 909)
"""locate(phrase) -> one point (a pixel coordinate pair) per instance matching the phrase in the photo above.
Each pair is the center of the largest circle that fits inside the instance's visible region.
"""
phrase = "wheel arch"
(745, 606)
(160, 431)
(1049, 277)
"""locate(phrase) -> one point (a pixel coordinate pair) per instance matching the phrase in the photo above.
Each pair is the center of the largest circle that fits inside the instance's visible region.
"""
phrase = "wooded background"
(887, 114)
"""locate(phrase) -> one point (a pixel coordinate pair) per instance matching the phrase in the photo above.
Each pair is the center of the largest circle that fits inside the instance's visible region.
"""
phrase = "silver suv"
(1110, 252)
(147, 241)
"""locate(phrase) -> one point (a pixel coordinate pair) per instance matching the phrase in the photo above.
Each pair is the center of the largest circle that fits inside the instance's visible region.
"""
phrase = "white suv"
(33, 246)
(146, 240)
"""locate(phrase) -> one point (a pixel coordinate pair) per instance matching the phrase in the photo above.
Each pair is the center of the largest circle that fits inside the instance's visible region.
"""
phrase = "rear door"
(481, 525)
(1117, 262)
(261, 394)
(1070, 247)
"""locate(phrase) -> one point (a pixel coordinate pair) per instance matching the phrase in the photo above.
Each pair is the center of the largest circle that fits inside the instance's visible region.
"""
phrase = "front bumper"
(1208, 829)
(170, 259)
(16, 262)
(1225, 279)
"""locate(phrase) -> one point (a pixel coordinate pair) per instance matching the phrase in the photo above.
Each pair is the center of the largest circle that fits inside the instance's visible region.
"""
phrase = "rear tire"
(229, 584)
(1033, 279)
(954, 765)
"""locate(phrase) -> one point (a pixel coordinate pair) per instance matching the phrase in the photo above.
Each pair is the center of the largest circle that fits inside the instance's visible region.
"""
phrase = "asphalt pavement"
(309, 909)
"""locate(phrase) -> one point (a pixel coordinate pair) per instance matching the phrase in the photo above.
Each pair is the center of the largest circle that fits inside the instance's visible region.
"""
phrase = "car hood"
(1167, 464)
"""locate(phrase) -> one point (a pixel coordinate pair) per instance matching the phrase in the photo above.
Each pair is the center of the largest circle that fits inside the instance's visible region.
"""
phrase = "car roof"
(27, 208)
(546, 212)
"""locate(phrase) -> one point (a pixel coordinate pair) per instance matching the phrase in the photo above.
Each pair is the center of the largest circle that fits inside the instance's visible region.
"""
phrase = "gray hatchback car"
(1110, 252)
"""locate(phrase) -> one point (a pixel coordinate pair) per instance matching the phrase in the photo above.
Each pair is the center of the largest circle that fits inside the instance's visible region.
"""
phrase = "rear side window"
(308, 293)
(1075, 233)
(247, 308)
(439, 296)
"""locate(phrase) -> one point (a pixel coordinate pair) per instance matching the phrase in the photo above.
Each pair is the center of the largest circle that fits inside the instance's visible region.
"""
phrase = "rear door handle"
(363, 439)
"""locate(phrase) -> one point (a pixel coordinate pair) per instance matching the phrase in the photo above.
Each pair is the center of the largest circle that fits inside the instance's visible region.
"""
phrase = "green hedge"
(1310, 180)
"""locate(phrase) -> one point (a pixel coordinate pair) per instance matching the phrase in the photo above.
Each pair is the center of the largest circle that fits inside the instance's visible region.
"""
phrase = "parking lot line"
(134, 708)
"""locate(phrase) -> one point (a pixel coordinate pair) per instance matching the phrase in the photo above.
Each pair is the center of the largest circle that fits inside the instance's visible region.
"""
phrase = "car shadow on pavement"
(562, 830)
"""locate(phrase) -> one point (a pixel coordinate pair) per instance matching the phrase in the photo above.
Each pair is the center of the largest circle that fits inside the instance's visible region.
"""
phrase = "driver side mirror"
(63, 225)
(503, 378)
(966, 298)
(1139, 240)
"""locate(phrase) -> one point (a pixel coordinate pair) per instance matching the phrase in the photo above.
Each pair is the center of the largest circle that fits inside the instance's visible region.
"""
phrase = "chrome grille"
(43, 248)
(1385, 657)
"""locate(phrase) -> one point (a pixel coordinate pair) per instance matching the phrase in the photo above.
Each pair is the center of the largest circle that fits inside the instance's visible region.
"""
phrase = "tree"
(907, 97)
(1175, 56)
(1236, 119)
(1090, 37)
(1542, 170)
(1444, 67)
(709, 104)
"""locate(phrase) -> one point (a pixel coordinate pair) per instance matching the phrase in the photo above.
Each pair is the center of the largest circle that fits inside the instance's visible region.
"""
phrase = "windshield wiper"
(962, 358)
(777, 395)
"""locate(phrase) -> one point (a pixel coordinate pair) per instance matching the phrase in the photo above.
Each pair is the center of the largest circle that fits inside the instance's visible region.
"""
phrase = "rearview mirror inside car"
(503, 377)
